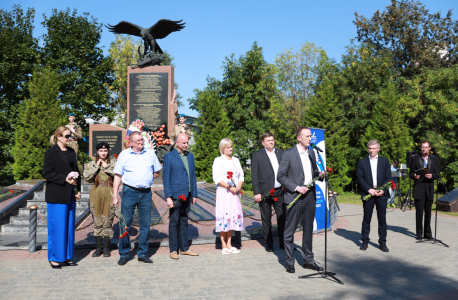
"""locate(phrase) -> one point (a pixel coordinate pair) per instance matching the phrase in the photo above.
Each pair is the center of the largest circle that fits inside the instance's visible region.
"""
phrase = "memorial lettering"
(113, 138)
(148, 98)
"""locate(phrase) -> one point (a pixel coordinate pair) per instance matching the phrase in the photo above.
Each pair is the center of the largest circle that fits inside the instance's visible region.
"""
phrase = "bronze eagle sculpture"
(159, 30)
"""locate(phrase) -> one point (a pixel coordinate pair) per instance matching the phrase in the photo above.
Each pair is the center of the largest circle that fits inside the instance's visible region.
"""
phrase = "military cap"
(103, 145)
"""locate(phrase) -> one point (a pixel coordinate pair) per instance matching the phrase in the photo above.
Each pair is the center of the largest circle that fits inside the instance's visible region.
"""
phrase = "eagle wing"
(125, 27)
(164, 27)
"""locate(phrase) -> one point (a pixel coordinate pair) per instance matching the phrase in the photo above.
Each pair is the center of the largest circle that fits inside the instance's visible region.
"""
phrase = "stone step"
(42, 204)
(40, 196)
(24, 212)
(14, 228)
(24, 219)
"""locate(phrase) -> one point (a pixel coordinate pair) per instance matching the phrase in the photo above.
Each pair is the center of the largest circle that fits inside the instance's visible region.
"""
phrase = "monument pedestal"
(151, 96)
(110, 134)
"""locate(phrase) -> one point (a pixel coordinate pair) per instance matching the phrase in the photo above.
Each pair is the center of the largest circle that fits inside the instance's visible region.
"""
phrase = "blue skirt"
(61, 231)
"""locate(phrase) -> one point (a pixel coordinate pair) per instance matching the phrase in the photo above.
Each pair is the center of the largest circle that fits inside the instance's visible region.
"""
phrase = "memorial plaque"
(149, 98)
(113, 138)
(155, 216)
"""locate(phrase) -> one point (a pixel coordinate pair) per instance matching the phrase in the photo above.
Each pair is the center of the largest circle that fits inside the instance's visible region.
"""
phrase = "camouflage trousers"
(103, 225)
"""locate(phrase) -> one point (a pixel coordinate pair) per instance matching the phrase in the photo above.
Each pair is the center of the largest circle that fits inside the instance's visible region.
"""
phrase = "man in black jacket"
(264, 168)
(374, 171)
(423, 188)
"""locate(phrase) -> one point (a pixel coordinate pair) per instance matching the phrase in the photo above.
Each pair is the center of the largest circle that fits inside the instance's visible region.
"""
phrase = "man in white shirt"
(297, 169)
(264, 169)
(374, 171)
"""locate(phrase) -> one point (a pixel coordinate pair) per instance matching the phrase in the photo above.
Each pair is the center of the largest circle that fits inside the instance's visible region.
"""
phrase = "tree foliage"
(297, 73)
(71, 49)
(411, 35)
(213, 125)
(246, 90)
(18, 53)
(39, 117)
(325, 111)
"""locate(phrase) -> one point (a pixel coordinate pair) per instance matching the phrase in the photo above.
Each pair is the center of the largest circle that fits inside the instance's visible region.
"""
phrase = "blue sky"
(216, 29)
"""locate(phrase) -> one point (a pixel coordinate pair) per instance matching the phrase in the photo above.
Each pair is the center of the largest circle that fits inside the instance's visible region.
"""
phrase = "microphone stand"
(325, 273)
(446, 191)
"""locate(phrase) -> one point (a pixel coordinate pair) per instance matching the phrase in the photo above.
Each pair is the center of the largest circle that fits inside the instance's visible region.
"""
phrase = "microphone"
(316, 147)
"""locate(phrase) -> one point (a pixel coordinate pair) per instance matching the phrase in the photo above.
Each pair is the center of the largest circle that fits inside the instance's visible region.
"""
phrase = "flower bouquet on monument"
(180, 198)
(152, 139)
(382, 187)
(269, 195)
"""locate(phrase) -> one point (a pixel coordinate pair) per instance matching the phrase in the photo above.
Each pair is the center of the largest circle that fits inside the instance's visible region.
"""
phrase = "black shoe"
(428, 238)
(98, 250)
(122, 261)
(312, 266)
(69, 264)
(106, 247)
(384, 248)
(55, 266)
(364, 246)
(418, 239)
(145, 260)
(269, 249)
(290, 269)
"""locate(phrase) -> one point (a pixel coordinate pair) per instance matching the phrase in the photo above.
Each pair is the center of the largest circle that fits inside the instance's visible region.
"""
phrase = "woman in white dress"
(228, 211)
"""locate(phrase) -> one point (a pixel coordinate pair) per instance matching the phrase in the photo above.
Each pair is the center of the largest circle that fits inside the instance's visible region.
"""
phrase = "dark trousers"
(368, 207)
(305, 207)
(142, 200)
(265, 207)
(178, 226)
(420, 206)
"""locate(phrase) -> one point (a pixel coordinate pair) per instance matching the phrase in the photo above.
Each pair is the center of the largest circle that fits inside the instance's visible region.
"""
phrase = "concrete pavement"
(409, 271)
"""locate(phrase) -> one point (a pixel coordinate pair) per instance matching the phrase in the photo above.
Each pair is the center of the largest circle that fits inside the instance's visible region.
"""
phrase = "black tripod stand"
(435, 240)
(325, 273)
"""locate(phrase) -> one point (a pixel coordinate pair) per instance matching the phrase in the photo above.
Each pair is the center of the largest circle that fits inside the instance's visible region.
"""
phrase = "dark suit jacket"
(424, 186)
(262, 171)
(364, 175)
(291, 173)
(175, 177)
(55, 170)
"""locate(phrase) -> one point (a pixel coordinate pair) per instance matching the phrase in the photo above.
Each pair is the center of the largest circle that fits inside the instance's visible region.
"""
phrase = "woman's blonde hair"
(223, 144)
(59, 130)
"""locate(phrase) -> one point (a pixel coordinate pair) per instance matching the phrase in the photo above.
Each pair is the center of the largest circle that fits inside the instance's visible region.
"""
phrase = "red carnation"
(115, 155)
(393, 185)
(329, 170)
(229, 174)
(241, 192)
(127, 228)
(275, 199)
(11, 191)
(182, 197)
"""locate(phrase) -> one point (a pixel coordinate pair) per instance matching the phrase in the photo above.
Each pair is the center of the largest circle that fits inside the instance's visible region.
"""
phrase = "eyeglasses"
(67, 136)
(139, 142)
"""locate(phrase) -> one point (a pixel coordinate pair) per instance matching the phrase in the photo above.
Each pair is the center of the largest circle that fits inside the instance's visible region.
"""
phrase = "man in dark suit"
(264, 168)
(423, 188)
(179, 179)
(374, 171)
(297, 169)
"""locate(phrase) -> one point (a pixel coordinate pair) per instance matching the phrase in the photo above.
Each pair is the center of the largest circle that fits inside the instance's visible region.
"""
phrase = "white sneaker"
(234, 250)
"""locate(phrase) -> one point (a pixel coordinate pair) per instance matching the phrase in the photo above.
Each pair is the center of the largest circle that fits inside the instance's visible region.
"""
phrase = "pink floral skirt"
(228, 211)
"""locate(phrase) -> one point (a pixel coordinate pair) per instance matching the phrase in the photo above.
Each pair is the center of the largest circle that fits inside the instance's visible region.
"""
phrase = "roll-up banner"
(320, 186)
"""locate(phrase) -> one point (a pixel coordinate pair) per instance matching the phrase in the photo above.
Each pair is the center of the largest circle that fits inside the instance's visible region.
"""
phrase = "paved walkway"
(409, 270)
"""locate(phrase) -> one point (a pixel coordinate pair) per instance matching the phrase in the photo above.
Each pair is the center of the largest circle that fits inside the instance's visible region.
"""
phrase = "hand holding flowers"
(380, 188)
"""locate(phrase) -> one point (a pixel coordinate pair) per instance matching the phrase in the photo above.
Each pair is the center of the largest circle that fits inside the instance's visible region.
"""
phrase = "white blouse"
(221, 165)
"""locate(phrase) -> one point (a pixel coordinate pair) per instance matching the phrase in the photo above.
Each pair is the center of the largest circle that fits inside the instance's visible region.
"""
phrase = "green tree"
(39, 117)
(18, 53)
(432, 111)
(71, 49)
(297, 73)
(246, 90)
(388, 125)
(357, 83)
(326, 111)
(411, 35)
(212, 126)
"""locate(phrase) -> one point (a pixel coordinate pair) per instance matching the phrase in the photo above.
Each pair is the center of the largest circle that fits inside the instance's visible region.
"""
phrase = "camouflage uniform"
(75, 136)
(100, 197)
(179, 128)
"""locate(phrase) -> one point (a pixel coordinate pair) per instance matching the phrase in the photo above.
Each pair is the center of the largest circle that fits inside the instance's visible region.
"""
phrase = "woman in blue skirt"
(60, 170)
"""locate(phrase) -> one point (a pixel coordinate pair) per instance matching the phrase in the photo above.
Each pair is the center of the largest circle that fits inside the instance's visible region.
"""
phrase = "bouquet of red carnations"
(382, 187)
